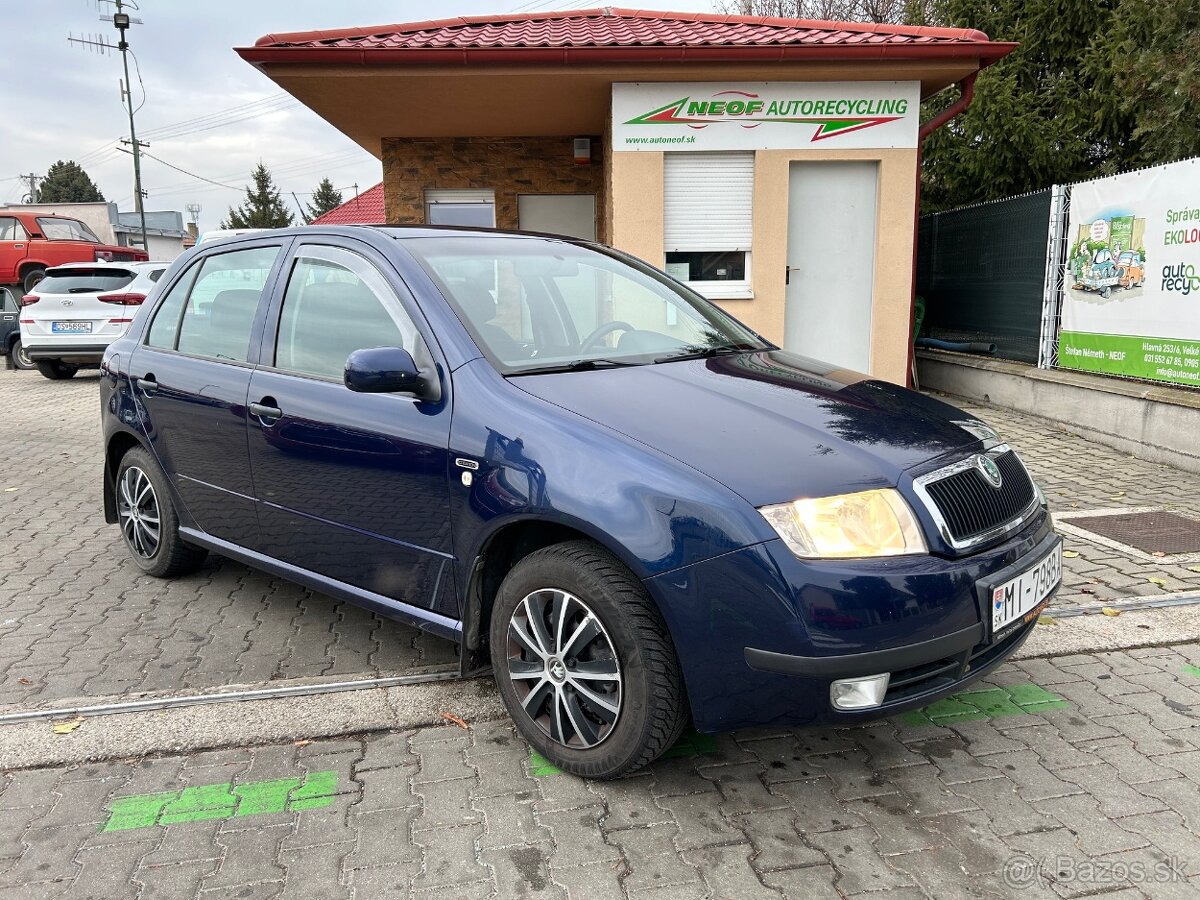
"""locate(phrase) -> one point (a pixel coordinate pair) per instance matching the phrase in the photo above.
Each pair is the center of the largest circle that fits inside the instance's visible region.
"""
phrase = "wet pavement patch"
(985, 703)
(221, 801)
(691, 743)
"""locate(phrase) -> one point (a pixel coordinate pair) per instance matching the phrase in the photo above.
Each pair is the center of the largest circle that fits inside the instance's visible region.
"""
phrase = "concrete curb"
(128, 735)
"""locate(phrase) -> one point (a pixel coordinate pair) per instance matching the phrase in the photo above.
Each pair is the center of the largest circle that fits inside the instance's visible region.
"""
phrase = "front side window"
(337, 302)
(7, 302)
(56, 229)
(536, 304)
(8, 229)
(219, 314)
(164, 328)
(707, 221)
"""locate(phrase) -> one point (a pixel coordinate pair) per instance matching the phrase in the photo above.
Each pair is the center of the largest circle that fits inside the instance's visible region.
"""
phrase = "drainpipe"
(966, 92)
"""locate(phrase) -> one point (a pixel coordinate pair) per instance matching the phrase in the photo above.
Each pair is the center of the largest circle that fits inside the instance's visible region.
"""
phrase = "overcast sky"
(61, 101)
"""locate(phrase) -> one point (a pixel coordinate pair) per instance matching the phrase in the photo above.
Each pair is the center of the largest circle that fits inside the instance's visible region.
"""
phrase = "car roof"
(114, 264)
(398, 232)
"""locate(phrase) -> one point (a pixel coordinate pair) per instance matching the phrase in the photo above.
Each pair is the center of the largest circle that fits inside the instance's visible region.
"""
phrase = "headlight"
(869, 523)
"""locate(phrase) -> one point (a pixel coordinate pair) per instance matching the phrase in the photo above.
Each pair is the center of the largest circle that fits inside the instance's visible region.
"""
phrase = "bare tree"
(914, 12)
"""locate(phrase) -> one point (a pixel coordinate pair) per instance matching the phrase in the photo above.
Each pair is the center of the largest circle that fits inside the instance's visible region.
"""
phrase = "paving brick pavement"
(1098, 795)
(77, 619)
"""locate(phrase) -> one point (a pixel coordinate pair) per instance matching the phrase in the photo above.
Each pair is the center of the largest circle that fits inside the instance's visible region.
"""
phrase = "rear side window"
(7, 302)
(219, 313)
(83, 281)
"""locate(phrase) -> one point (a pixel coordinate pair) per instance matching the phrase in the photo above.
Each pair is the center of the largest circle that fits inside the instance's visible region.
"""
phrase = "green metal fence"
(982, 270)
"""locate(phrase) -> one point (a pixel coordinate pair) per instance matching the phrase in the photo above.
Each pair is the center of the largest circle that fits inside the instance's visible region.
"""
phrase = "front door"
(351, 486)
(831, 261)
(14, 247)
(191, 377)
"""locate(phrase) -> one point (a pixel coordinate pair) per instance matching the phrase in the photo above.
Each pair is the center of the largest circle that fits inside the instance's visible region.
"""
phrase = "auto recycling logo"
(1180, 278)
(831, 117)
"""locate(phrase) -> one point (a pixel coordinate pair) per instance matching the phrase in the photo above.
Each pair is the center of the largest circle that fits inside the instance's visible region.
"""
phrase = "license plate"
(70, 327)
(1017, 597)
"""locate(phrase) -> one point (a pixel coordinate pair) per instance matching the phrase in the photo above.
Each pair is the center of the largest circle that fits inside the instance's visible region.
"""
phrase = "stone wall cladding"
(509, 166)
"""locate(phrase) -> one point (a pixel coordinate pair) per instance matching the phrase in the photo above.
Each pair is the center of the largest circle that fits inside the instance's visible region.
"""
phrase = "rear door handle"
(147, 385)
(265, 412)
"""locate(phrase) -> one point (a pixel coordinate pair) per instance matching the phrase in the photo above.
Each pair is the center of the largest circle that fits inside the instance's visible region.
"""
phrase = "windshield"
(83, 281)
(56, 229)
(538, 305)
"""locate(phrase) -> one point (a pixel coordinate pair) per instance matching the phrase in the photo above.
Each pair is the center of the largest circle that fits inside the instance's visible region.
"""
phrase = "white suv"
(78, 309)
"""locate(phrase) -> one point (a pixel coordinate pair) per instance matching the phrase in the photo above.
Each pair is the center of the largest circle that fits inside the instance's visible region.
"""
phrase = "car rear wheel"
(584, 662)
(30, 279)
(55, 369)
(20, 356)
(148, 521)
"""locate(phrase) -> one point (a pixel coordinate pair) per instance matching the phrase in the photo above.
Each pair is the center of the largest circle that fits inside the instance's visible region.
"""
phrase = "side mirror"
(385, 370)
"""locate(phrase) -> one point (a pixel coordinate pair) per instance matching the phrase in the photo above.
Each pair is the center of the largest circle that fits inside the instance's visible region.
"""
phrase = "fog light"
(859, 693)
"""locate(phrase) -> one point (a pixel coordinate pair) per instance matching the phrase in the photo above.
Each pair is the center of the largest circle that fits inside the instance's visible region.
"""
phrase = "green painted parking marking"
(221, 801)
(690, 743)
(985, 703)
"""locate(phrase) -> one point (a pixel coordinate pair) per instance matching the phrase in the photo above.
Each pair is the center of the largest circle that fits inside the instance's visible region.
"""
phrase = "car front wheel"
(584, 662)
(148, 521)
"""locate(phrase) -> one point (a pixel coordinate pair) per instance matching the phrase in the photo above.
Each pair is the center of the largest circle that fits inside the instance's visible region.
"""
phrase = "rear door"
(191, 376)
(351, 486)
(8, 318)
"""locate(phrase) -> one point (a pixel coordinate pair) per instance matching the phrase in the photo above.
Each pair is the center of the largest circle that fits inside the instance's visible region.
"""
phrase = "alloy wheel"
(21, 357)
(137, 510)
(563, 666)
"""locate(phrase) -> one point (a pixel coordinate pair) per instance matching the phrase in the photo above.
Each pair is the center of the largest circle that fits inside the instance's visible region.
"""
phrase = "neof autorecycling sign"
(1131, 299)
(779, 115)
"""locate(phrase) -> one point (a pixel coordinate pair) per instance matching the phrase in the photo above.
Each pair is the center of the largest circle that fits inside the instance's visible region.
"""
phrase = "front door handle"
(147, 385)
(265, 412)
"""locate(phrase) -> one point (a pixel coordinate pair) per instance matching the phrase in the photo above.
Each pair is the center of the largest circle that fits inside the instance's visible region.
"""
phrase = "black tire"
(648, 692)
(167, 555)
(30, 279)
(20, 358)
(55, 369)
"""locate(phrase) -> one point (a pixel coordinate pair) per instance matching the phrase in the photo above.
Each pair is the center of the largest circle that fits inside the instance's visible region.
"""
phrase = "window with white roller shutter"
(707, 221)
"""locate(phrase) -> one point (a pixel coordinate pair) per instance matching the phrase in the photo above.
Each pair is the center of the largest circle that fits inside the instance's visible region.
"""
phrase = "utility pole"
(31, 179)
(121, 20)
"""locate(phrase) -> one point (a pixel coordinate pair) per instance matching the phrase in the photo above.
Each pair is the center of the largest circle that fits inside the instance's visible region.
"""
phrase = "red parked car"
(31, 242)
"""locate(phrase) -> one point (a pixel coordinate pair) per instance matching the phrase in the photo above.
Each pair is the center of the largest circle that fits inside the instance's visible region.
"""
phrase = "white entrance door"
(573, 215)
(831, 261)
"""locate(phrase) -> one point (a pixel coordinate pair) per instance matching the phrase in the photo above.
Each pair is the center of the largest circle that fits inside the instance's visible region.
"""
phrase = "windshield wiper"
(705, 352)
(577, 365)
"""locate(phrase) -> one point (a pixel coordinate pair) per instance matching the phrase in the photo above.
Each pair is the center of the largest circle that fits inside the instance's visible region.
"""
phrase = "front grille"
(970, 505)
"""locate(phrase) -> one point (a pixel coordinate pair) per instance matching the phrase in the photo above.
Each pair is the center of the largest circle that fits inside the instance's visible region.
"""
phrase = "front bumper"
(762, 635)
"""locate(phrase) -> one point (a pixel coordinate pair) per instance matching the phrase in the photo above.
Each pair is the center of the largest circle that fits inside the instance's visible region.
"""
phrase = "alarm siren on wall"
(583, 151)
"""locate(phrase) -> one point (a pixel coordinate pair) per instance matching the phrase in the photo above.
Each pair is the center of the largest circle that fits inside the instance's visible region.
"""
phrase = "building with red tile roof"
(770, 163)
(363, 209)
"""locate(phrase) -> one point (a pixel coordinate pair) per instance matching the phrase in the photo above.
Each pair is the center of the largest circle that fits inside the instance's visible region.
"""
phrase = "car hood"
(770, 425)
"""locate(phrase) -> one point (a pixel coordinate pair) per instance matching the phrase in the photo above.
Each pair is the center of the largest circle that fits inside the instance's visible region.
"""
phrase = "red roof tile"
(623, 28)
(365, 209)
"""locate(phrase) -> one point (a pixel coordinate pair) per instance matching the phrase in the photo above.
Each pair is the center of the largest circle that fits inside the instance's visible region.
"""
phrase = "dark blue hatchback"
(636, 509)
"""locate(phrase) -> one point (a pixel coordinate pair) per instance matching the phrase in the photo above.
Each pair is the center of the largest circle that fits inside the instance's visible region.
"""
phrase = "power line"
(185, 171)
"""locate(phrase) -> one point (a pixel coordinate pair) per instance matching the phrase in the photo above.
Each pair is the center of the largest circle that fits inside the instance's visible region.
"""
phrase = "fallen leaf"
(1117, 496)
(1147, 627)
(68, 726)
(1154, 579)
(457, 720)
(1158, 553)
(1109, 611)
(1086, 591)
(1046, 620)
(302, 743)
(9, 490)
(1070, 554)
(1194, 568)
(24, 681)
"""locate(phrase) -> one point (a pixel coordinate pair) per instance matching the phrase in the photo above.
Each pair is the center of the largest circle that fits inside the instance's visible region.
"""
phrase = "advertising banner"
(765, 115)
(1131, 298)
